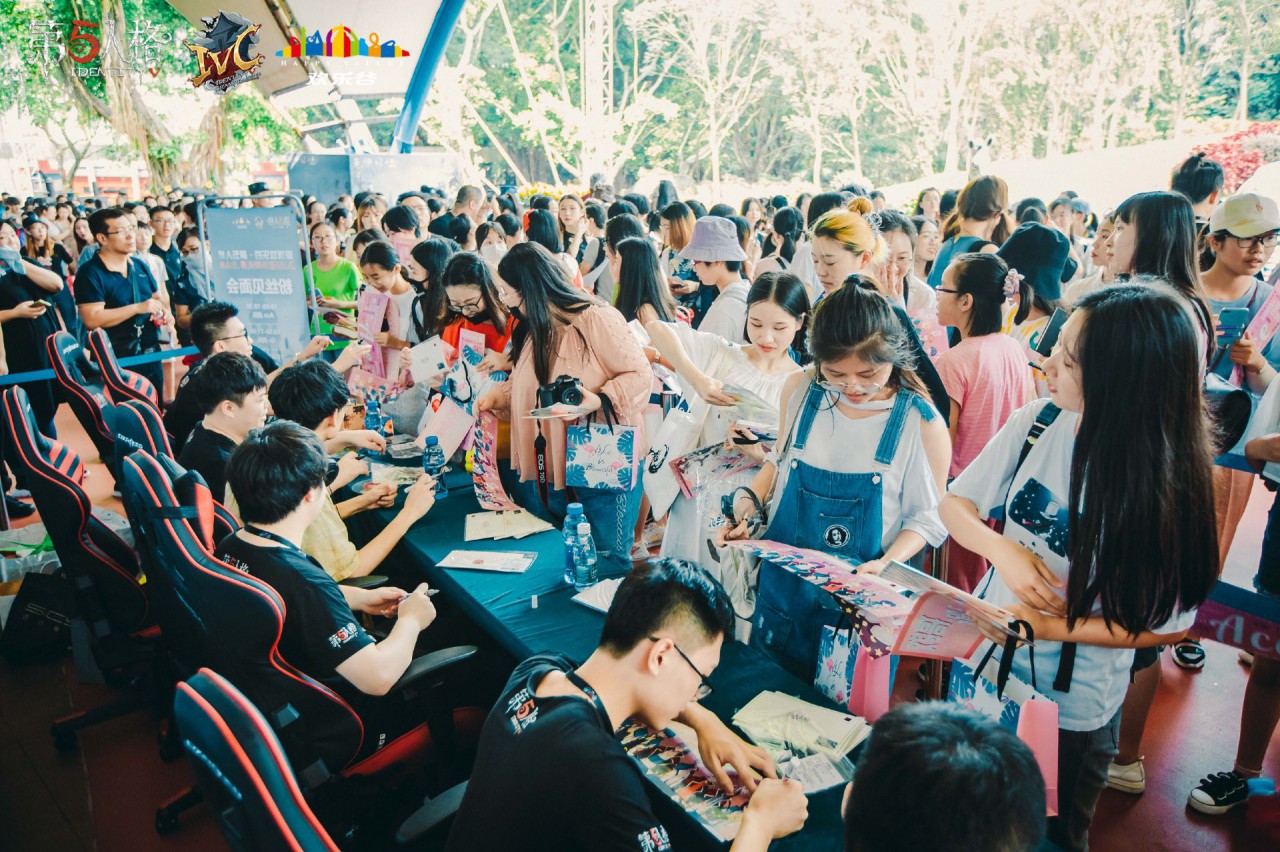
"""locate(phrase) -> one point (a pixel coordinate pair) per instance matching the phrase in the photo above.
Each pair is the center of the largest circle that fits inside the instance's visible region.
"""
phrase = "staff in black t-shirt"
(550, 774)
(278, 476)
(231, 390)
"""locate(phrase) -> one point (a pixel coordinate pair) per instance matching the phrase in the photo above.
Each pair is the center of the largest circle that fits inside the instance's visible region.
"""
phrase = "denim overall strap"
(808, 409)
(892, 434)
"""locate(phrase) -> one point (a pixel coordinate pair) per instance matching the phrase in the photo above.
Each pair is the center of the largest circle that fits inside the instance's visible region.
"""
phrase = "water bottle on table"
(570, 531)
(584, 559)
(433, 465)
(373, 414)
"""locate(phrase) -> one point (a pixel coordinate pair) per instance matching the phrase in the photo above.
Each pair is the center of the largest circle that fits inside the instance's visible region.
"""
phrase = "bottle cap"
(584, 528)
(575, 508)
(432, 440)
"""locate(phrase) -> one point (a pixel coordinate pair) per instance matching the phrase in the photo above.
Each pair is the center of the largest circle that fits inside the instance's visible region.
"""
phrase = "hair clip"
(1012, 282)
(873, 219)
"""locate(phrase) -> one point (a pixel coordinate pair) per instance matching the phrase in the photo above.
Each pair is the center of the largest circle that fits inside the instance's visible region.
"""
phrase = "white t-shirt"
(404, 303)
(1035, 503)
(842, 444)
(727, 315)
(802, 268)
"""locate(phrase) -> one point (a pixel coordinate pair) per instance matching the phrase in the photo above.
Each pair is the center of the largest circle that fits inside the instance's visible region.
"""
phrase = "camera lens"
(572, 395)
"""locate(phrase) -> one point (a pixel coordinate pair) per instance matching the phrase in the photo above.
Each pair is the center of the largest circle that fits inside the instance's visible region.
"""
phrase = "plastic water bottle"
(433, 465)
(570, 530)
(584, 558)
(373, 414)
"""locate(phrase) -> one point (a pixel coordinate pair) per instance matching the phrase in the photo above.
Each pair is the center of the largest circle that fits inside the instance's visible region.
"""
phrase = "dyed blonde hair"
(850, 227)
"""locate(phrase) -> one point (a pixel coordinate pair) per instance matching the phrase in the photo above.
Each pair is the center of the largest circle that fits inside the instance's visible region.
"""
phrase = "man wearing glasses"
(117, 292)
(550, 774)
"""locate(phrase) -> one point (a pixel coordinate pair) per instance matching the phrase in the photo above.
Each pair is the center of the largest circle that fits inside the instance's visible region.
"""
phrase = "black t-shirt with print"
(207, 452)
(320, 631)
(550, 775)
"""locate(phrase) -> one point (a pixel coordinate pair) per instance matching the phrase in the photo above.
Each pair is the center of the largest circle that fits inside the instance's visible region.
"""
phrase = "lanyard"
(270, 536)
(577, 681)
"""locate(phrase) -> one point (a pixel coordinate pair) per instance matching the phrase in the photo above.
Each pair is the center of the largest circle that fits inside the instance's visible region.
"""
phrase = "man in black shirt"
(550, 774)
(231, 390)
(470, 203)
(117, 292)
(278, 477)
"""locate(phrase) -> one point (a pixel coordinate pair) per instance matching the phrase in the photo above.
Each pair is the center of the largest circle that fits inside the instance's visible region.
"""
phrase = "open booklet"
(670, 761)
(901, 611)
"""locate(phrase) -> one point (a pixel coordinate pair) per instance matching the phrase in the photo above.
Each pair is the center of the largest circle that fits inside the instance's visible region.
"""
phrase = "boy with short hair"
(231, 392)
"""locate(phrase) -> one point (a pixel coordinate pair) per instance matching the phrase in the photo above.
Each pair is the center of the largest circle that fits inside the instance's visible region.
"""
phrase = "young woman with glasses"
(862, 463)
(474, 305)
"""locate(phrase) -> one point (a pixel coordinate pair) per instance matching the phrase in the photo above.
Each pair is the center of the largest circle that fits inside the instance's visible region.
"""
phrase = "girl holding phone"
(1105, 547)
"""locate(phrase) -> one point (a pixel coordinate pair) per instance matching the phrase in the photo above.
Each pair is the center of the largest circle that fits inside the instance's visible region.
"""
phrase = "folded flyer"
(510, 562)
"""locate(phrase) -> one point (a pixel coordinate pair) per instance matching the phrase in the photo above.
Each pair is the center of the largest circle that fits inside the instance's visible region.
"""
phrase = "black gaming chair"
(242, 770)
(235, 621)
(108, 596)
(120, 384)
(82, 388)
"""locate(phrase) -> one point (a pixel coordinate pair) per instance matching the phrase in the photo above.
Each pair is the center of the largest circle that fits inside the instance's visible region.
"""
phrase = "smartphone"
(1232, 323)
(1052, 332)
(42, 303)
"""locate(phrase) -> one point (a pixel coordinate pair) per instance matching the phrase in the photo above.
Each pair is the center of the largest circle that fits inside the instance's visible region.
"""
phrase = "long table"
(503, 606)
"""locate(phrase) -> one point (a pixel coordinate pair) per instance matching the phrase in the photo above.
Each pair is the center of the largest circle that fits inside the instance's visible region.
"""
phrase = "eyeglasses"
(864, 388)
(125, 231)
(704, 688)
(467, 307)
(1270, 240)
(244, 334)
(946, 290)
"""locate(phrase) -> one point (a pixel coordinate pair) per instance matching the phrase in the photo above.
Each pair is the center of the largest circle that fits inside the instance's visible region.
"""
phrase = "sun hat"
(714, 238)
(1245, 215)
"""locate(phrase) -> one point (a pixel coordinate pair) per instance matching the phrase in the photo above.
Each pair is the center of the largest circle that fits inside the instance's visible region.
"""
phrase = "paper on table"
(779, 722)
(815, 773)
(508, 561)
(516, 523)
(600, 596)
(428, 360)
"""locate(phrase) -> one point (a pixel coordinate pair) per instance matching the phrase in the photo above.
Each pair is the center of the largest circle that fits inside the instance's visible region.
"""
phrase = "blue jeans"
(612, 515)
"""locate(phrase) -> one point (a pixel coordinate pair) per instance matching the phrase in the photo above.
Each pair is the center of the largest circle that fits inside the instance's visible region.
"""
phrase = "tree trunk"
(1246, 60)
(714, 142)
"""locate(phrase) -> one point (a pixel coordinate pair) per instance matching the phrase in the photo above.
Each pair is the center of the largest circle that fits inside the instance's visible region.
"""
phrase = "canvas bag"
(601, 454)
(850, 676)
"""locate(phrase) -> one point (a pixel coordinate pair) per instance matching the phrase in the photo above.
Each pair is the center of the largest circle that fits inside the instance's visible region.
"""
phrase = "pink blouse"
(612, 363)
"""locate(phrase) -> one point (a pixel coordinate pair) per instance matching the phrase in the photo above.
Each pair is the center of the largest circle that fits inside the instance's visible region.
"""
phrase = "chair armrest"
(432, 813)
(369, 581)
(428, 664)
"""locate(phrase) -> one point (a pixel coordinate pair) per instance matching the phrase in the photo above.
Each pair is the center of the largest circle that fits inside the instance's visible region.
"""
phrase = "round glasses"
(864, 388)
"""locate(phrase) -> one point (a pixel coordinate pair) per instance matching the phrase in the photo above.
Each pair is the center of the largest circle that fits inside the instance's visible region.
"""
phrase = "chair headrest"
(34, 448)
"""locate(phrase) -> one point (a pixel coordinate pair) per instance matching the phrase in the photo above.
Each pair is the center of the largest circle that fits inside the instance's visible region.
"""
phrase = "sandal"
(1188, 654)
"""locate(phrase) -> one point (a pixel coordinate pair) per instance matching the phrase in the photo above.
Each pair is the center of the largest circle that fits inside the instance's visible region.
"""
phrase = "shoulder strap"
(1044, 420)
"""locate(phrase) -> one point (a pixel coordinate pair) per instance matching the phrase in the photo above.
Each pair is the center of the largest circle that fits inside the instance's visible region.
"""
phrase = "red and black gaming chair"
(236, 621)
(120, 384)
(242, 770)
(82, 388)
(109, 599)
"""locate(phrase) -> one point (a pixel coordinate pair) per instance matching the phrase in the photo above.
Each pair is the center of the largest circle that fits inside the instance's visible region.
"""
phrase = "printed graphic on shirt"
(836, 536)
(242, 567)
(654, 840)
(348, 632)
(522, 710)
(1042, 513)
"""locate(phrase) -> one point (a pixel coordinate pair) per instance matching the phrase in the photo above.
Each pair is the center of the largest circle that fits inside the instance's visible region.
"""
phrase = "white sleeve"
(701, 346)
(985, 482)
(920, 496)
(1266, 417)
(724, 320)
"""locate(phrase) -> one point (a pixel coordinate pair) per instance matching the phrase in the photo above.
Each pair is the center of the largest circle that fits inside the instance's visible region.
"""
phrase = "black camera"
(565, 390)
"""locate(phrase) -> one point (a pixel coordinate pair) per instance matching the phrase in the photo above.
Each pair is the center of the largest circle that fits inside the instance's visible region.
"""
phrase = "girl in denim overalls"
(864, 461)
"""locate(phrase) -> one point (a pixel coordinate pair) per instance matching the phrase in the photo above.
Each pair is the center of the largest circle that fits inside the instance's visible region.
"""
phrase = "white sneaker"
(653, 534)
(1127, 777)
(639, 553)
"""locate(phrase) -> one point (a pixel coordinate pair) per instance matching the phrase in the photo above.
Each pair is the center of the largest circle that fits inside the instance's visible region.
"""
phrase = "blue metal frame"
(424, 72)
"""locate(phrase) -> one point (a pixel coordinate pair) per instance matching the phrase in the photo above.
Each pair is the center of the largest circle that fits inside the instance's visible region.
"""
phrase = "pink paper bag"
(1038, 728)
(869, 693)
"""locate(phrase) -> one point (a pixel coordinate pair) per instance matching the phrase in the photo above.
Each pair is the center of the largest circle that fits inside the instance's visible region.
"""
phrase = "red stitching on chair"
(251, 771)
(413, 743)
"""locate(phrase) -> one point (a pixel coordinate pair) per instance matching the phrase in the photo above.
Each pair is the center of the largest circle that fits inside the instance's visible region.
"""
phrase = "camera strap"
(540, 455)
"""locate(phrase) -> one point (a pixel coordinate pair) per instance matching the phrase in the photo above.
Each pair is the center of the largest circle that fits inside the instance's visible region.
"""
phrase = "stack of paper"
(599, 596)
(516, 523)
(779, 722)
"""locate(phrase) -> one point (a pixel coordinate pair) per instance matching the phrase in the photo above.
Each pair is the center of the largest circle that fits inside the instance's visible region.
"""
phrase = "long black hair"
(789, 225)
(543, 230)
(789, 293)
(1166, 248)
(982, 276)
(548, 297)
(1141, 545)
(641, 281)
(469, 268)
(428, 310)
(856, 320)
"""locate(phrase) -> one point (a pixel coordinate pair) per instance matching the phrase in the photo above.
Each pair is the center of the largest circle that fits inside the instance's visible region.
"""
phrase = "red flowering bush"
(1241, 154)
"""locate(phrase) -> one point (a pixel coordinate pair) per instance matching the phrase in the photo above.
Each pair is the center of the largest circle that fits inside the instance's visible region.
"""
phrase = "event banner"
(257, 266)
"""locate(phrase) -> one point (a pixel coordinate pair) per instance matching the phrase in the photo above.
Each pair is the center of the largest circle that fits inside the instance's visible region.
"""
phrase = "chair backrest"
(83, 392)
(120, 384)
(242, 770)
(103, 569)
(232, 620)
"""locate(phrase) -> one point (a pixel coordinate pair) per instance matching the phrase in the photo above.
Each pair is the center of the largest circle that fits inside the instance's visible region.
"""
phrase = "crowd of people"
(1018, 391)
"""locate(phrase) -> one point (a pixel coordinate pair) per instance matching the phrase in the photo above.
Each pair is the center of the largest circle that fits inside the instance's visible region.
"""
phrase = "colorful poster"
(672, 765)
(484, 465)
(371, 311)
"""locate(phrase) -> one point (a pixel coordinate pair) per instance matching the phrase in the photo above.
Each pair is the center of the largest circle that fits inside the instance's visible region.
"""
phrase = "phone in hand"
(41, 303)
(1232, 323)
(1052, 332)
